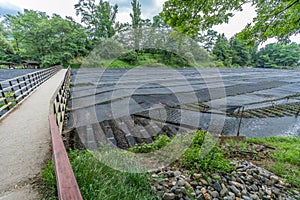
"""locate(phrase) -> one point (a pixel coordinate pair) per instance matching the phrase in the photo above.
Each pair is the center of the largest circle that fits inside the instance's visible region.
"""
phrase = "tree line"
(51, 40)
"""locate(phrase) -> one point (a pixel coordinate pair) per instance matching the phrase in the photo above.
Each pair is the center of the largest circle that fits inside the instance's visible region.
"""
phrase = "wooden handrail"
(14, 91)
(67, 186)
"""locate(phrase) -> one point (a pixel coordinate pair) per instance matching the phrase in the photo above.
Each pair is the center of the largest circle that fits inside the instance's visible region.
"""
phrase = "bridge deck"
(25, 143)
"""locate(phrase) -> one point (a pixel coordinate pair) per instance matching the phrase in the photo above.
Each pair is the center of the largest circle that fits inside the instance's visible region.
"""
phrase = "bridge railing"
(67, 186)
(15, 90)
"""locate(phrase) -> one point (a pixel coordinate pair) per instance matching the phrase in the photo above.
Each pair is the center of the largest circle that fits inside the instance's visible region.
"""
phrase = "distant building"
(31, 64)
(10, 65)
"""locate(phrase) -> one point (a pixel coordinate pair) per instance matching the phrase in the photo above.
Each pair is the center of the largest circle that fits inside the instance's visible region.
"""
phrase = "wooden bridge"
(24, 134)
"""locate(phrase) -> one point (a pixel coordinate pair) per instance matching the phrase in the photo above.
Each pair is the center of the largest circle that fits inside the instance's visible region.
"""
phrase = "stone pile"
(247, 182)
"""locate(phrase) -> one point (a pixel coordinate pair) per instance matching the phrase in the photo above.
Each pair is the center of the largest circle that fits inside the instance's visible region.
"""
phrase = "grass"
(282, 155)
(97, 181)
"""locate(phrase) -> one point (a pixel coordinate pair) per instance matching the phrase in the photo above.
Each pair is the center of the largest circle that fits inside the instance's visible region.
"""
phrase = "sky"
(150, 8)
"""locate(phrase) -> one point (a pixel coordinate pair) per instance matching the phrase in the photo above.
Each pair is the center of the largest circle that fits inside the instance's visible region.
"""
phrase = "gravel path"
(25, 143)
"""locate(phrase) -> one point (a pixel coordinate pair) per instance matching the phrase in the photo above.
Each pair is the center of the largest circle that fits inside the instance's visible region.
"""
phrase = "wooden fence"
(67, 186)
(58, 104)
(14, 90)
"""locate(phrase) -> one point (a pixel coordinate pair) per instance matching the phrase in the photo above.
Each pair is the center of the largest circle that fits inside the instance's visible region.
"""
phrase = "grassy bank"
(280, 155)
(97, 181)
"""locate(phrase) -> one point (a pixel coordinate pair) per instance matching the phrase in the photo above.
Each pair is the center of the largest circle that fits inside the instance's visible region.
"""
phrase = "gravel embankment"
(247, 182)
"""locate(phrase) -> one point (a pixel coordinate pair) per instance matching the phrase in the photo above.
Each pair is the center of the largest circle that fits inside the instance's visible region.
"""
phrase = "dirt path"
(25, 143)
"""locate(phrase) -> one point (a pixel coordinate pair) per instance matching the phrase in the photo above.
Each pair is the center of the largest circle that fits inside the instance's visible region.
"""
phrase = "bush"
(130, 57)
(109, 49)
(213, 161)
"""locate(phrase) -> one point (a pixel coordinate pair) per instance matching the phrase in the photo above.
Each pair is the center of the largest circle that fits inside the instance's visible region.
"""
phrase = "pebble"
(248, 182)
(217, 186)
(169, 196)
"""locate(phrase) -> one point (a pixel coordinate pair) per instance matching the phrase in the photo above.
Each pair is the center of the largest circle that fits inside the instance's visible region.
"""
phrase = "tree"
(240, 53)
(279, 55)
(209, 40)
(51, 40)
(222, 50)
(136, 23)
(274, 17)
(98, 18)
(6, 49)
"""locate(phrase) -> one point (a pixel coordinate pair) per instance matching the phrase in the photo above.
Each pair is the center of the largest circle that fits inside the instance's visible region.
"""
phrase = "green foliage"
(98, 181)
(130, 57)
(98, 18)
(222, 50)
(240, 53)
(213, 160)
(278, 54)
(160, 142)
(51, 40)
(274, 18)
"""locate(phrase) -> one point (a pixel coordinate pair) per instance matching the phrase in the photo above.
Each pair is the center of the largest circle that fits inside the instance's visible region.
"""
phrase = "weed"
(197, 158)
(160, 142)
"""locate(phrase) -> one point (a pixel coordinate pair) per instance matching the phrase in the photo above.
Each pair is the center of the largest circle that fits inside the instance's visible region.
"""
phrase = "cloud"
(8, 8)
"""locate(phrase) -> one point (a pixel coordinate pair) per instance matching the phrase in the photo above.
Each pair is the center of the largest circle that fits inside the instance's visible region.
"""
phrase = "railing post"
(3, 95)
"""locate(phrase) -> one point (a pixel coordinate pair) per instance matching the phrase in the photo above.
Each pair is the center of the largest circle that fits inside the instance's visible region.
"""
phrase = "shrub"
(130, 57)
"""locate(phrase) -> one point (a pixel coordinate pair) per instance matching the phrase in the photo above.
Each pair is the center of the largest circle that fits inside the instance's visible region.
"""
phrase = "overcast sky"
(149, 9)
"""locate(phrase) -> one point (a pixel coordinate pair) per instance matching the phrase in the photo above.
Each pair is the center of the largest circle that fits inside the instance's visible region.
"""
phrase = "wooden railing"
(67, 186)
(15, 90)
(58, 103)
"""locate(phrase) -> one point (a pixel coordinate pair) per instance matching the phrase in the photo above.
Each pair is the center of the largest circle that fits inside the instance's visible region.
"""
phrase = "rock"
(246, 198)
(177, 173)
(217, 186)
(254, 187)
(203, 190)
(197, 176)
(154, 176)
(244, 192)
(188, 185)
(169, 196)
(254, 196)
(197, 192)
(183, 191)
(268, 192)
(214, 194)
(204, 182)
(223, 192)
(235, 190)
(224, 186)
(170, 173)
(236, 184)
(274, 178)
(207, 196)
(178, 191)
(181, 182)
(266, 198)
(194, 183)
(159, 187)
(276, 191)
